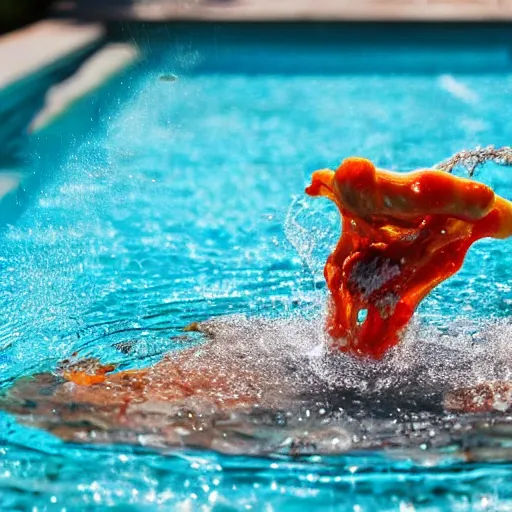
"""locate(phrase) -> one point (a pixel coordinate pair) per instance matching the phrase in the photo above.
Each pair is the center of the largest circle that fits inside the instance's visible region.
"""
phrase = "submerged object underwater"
(402, 235)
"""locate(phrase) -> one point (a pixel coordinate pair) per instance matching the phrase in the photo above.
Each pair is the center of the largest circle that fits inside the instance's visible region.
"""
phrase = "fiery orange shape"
(402, 235)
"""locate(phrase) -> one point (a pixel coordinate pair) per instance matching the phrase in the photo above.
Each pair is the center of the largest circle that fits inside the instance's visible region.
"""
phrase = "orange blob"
(88, 372)
(402, 235)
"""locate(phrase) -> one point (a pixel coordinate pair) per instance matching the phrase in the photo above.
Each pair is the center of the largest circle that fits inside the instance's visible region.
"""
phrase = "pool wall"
(309, 47)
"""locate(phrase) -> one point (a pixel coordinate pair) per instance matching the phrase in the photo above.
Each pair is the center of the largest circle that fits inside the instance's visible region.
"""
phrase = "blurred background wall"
(15, 13)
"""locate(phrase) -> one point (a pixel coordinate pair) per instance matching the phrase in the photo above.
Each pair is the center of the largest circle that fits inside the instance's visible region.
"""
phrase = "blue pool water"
(185, 202)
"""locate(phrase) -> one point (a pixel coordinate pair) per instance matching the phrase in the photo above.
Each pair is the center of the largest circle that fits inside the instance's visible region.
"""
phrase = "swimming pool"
(175, 194)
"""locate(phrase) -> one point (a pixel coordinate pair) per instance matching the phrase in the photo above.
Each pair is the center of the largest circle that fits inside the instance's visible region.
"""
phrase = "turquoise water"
(185, 202)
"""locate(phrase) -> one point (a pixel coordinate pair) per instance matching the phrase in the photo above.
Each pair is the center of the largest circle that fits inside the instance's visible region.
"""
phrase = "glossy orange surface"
(402, 235)
(96, 374)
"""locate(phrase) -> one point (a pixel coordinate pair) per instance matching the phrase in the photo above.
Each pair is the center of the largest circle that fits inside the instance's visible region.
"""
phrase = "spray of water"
(471, 160)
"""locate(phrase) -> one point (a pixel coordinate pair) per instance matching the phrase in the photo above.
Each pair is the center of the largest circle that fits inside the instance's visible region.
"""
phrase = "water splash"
(312, 230)
(279, 390)
(153, 256)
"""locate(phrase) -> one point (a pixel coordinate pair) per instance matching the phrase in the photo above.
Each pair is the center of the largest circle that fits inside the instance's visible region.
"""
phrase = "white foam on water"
(427, 361)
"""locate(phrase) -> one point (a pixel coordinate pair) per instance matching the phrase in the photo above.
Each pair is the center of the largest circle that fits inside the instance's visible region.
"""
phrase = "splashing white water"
(427, 362)
(312, 227)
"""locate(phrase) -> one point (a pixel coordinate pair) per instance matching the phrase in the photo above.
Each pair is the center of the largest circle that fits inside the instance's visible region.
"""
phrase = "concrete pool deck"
(290, 10)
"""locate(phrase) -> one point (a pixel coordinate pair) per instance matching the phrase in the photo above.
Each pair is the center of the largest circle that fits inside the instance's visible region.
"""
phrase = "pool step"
(107, 62)
(31, 61)
(28, 51)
